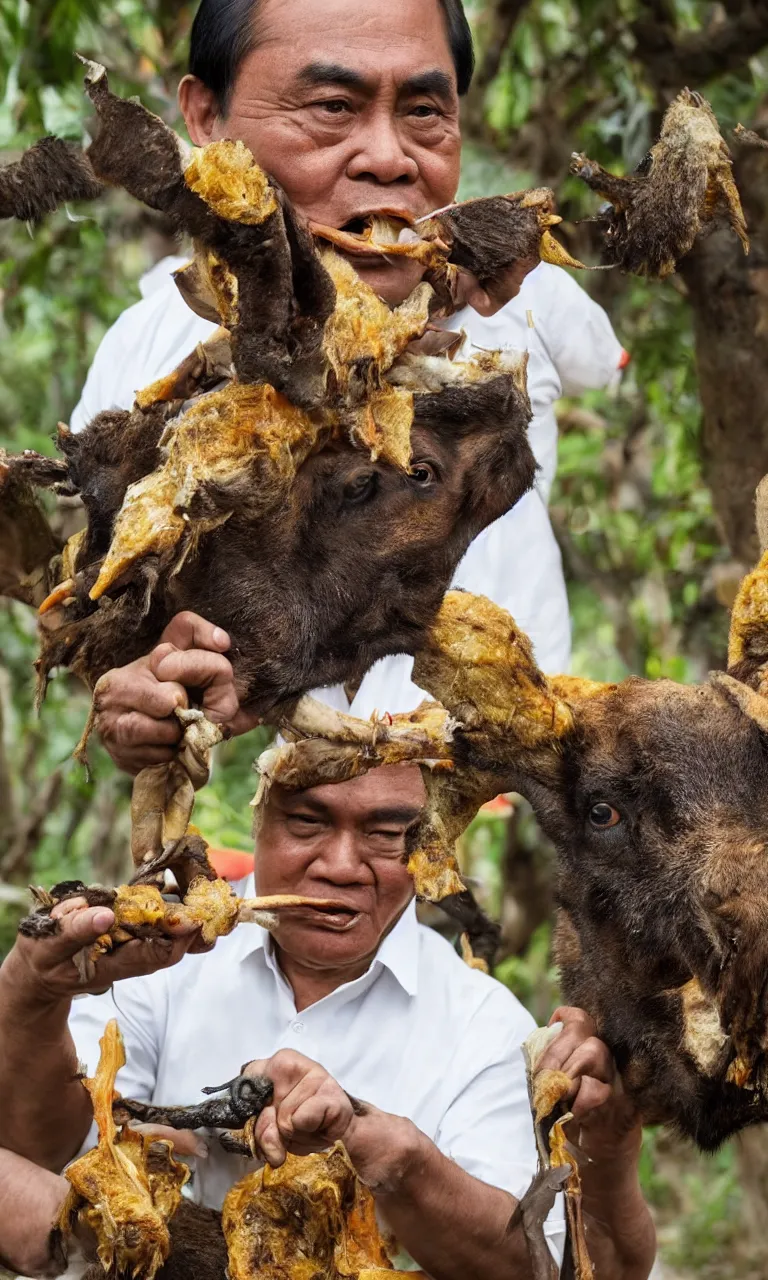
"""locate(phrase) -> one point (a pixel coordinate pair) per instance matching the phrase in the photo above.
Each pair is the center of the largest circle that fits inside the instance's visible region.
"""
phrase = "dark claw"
(219, 1088)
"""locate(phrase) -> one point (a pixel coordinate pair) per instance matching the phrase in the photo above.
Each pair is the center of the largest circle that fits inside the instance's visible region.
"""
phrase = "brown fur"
(198, 1247)
(663, 910)
(49, 174)
(682, 186)
(490, 234)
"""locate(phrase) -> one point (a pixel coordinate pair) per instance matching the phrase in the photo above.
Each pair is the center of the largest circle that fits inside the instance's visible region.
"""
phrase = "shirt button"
(298, 1027)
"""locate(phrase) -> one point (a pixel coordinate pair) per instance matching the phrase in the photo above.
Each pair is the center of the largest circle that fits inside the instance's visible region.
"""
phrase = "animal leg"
(618, 190)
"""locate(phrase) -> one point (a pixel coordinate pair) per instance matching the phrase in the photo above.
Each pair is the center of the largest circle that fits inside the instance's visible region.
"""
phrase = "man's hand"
(135, 704)
(310, 1111)
(609, 1125)
(43, 969)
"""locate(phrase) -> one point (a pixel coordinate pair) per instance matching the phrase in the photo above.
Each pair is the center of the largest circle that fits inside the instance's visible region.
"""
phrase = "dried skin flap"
(113, 1190)
(311, 1219)
(241, 431)
(225, 175)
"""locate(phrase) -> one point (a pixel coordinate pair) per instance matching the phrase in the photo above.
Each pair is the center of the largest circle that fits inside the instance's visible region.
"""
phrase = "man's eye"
(304, 820)
(383, 837)
(333, 106)
(425, 112)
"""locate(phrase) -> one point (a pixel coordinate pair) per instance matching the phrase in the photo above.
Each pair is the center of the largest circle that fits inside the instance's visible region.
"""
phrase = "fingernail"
(103, 921)
(220, 637)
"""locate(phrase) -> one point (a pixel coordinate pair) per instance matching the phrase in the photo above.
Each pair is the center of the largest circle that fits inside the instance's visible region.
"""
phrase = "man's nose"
(379, 155)
(340, 862)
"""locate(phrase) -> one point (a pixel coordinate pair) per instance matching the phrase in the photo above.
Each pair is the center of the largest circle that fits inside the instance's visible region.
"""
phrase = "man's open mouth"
(338, 918)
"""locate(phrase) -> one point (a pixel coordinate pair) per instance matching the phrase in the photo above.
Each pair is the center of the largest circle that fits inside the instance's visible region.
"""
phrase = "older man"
(364, 1002)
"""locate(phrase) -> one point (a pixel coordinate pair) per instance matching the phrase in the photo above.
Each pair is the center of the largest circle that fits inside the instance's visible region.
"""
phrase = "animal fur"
(683, 186)
(653, 794)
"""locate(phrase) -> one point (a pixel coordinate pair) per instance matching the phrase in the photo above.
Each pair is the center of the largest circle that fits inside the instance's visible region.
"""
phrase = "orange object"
(624, 359)
(502, 806)
(231, 864)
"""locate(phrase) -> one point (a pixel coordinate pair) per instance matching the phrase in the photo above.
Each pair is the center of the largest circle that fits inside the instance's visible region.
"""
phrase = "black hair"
(225, 31)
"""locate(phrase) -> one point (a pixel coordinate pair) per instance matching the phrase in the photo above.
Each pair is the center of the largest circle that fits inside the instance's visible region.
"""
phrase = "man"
(397, 1020)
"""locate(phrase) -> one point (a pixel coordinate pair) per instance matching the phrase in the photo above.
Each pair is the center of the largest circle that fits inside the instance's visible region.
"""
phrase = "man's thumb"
(82, 927)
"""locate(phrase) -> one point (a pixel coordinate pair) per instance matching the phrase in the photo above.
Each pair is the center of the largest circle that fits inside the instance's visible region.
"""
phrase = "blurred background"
(653, 502)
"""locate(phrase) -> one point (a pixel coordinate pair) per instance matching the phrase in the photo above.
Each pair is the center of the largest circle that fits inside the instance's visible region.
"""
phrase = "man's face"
(343, 841)
(351, 106)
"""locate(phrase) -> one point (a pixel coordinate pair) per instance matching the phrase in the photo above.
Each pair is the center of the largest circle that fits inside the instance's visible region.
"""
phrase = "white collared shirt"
(419, 1035)
(516, 561)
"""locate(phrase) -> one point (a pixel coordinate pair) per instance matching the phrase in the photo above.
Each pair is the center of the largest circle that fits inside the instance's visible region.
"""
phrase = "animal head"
(309, 477)
(655, 795)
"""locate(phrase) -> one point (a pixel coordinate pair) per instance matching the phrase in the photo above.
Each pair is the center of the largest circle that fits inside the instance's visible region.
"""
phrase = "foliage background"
(648, 569)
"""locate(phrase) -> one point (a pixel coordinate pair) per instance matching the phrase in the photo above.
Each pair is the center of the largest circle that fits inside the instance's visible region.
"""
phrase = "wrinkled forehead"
(379, 42)
(393, 791)
(684, 746)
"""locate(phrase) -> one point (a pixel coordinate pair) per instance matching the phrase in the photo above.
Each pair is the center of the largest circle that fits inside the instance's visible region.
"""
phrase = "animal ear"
(746, 699)
(748, 640)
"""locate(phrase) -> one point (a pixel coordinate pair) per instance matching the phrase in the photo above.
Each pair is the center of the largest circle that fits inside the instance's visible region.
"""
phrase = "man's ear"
(200, 109)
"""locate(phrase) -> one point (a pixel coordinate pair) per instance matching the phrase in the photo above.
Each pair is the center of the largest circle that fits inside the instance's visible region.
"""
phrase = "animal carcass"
(655, 795)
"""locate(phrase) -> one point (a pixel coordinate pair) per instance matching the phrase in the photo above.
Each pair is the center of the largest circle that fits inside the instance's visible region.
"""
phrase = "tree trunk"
(729, 297)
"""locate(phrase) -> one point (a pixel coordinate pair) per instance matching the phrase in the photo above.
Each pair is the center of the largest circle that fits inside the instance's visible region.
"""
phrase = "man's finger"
(591, 1058)
(268, 1137)
(136, 688)
(133, 729)
(199, 669)
(189, 631)
(77, 929)
(185, 1141)
(591, 1094)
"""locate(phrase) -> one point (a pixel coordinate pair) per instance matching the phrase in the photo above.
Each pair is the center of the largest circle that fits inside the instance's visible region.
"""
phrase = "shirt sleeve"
(579, 336)
(488, 1128)
(138, 1004)
(105, 386)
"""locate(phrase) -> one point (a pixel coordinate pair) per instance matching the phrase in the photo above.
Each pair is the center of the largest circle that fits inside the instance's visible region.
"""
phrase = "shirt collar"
(399, 952)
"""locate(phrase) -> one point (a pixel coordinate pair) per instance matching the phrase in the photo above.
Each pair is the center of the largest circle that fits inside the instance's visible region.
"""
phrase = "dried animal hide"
(750, 137)
(654, 796)
(141, 911)
(498, 239)
(684, 185)
(250, 502)
(128, 1187)
(311, 1217)
(558, 1164)
(28, 547)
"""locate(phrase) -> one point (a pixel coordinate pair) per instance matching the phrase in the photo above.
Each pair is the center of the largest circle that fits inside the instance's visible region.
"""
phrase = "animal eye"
(361, 488)
(422, 473)
(604, 815)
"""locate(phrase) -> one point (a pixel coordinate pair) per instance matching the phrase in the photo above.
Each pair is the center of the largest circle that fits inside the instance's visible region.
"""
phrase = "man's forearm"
(44, 1110)
(620, 1231)
(452, 1224)
(31, 1199)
